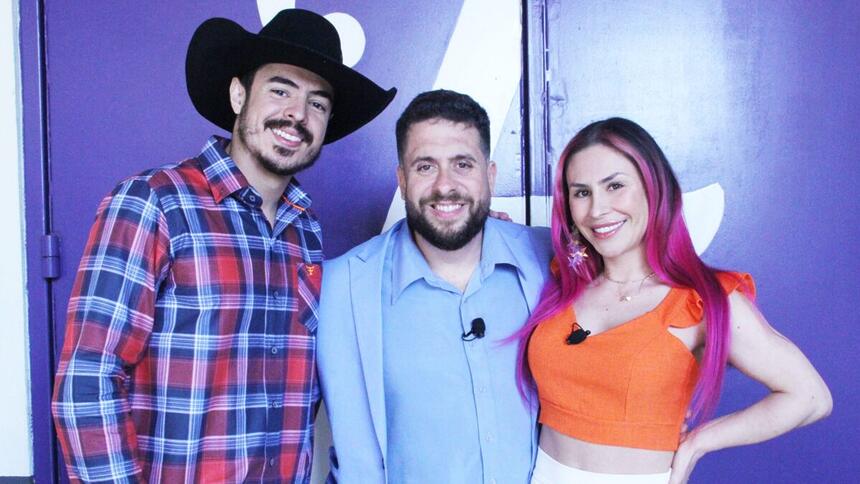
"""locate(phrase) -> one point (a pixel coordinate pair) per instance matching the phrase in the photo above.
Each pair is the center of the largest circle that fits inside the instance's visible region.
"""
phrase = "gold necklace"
(628, 297)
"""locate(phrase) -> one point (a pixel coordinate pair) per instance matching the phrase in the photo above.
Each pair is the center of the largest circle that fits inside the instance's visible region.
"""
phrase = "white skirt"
(549, 471)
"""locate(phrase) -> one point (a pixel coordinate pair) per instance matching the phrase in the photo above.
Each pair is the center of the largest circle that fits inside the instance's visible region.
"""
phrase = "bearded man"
(417, 383)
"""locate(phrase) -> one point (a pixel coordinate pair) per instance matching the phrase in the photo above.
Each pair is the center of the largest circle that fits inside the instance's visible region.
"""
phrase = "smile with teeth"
(445, 210)
(287, 136)
(606, 231)
(447, 207)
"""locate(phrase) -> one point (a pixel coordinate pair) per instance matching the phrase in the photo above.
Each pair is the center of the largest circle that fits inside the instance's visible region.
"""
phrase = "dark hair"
(247, 80)
(448, 105)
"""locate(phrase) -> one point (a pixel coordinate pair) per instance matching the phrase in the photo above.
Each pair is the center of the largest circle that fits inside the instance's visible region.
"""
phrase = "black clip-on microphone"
(477, 331)
(577, 334)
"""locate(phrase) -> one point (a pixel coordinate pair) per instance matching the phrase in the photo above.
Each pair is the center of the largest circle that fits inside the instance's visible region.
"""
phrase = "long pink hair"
(668, 247)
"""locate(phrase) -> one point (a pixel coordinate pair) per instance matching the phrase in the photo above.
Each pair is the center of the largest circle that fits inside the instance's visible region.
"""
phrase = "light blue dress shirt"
(452, 408)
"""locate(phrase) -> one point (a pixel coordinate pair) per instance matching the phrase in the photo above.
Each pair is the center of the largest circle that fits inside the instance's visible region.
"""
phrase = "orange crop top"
(628, 386)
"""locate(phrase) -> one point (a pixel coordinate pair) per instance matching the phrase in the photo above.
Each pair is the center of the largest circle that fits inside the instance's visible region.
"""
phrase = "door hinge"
(50, 256)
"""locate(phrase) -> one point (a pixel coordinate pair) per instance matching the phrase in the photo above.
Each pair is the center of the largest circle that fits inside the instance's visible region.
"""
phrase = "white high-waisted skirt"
(549, 471)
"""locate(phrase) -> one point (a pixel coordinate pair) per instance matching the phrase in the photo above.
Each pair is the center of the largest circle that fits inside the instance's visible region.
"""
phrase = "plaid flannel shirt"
(190, 338)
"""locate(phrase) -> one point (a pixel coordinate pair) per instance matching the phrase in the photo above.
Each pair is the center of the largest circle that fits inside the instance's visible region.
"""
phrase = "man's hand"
(501, 216)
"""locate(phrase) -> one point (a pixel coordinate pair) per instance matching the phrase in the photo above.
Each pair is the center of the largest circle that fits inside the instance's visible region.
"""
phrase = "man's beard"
(268, 163)
(447, 239)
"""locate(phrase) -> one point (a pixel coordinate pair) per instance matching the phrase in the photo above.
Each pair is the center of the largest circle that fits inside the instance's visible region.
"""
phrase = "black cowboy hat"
(221, 49)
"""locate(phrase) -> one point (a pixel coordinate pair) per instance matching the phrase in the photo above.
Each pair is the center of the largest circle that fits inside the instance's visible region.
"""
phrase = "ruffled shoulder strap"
(689, 309)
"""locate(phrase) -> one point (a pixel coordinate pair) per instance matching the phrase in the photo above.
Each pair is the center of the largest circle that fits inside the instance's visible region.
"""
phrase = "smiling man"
(418, 386)
(190, 341)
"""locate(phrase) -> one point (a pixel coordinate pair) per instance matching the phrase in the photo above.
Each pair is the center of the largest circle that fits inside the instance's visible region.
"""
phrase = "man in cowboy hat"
(190, 341)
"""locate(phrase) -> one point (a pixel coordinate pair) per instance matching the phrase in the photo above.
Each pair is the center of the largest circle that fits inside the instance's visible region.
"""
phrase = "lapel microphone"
(577, 334)
(477, 331)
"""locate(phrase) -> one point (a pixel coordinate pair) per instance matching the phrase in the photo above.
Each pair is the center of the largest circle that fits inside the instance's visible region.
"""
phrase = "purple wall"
(781, 144)
(795, 221)
(40, 307)
(764, 99)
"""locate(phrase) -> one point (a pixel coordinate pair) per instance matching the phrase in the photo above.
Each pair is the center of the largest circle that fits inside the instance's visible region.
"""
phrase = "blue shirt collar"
(409, 265)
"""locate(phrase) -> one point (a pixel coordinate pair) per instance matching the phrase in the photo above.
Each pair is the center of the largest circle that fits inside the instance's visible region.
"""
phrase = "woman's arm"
(798, 394)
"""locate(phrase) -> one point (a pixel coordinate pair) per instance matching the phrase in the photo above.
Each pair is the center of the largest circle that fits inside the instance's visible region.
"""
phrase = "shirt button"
(276, 294)
(492, 481)
(489, 438)
(252, 199)
(276, 404)
(482, 389)
(272, 462)
(274, 350)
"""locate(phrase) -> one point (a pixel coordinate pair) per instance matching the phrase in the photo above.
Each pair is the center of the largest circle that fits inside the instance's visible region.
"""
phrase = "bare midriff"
(608, 459)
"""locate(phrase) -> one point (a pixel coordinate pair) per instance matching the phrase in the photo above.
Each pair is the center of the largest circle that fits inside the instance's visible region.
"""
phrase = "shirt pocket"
(309, 280)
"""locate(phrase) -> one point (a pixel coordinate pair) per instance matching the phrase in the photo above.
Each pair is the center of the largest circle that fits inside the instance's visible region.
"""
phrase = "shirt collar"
(408, 263)
(225, 178)
(296, 196)
(496, 249)
(220, 170)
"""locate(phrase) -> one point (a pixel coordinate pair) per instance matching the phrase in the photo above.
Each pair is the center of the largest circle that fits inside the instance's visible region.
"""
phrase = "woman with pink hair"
(627, 349)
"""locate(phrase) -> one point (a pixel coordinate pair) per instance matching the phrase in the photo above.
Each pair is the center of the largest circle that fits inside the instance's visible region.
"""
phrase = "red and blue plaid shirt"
(190, 339)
